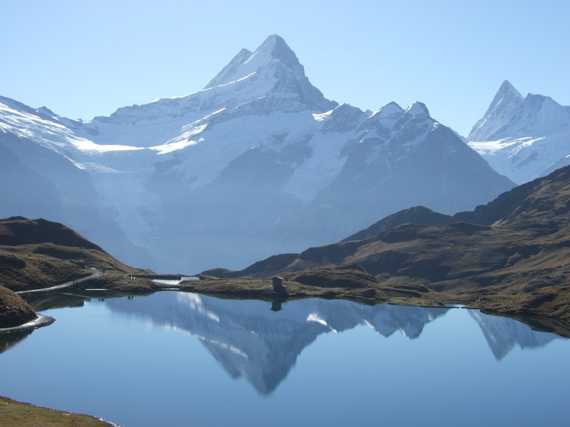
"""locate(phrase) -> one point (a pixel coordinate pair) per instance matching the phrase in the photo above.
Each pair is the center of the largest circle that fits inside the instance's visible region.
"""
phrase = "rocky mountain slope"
(258, 160)
(523, 137)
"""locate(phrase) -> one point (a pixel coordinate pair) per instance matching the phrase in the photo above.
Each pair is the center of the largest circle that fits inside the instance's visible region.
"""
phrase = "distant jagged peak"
(341, 118)
(386, 116)
(506, 97)
(534, 100)
(271, 77)
(45, 110)
(512, 115)
(508, 90)
(345, 108)
(500, 112)
(272, 51)
(418, 110)
(390, 109)
(276, 47)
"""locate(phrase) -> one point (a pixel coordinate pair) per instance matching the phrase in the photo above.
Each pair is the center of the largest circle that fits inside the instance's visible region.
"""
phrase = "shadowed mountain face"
(258, 160)
(39, 182)
(536, 200)
(251, 341)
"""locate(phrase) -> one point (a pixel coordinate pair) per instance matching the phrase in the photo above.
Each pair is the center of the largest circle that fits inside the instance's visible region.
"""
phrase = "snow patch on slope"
(179, 143)
(27, 123)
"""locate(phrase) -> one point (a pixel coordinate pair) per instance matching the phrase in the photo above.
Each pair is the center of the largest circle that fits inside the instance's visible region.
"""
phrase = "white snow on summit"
(522, 137)
(503, 107)
(259, 159)
(246, 64)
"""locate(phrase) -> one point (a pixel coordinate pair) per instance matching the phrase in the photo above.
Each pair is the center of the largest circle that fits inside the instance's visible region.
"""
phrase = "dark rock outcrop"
(14, 311)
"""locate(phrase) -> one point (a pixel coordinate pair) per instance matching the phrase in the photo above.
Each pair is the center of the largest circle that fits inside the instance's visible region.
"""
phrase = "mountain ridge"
(260, 139)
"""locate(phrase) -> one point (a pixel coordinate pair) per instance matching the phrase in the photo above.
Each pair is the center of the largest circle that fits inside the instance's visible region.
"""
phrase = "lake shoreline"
(255, 289)
(417, 295)
(370, 294)
(407, 295)
(39, 322)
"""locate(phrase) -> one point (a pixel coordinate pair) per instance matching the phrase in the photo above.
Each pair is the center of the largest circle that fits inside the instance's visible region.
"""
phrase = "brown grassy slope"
(414, 215)
(515, 260)
(39, 253)
(14, 413)
(16, 231)
(14, 310)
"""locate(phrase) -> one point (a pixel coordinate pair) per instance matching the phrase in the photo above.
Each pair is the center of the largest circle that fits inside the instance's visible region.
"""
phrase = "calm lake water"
(180, 359)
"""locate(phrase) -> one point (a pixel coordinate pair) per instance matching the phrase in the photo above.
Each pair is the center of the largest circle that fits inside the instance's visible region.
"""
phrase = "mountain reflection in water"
(155, 360)
(250, 340)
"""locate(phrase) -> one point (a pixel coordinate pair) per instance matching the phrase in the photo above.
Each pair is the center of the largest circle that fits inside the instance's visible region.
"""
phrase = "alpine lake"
(182, 359)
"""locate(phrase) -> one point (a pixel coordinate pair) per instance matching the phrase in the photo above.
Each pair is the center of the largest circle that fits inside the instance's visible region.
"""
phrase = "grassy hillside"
(510, 256)
(40, 254)
(14, 413)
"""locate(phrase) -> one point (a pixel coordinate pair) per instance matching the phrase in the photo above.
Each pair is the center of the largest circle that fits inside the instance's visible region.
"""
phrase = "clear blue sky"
(87, 58)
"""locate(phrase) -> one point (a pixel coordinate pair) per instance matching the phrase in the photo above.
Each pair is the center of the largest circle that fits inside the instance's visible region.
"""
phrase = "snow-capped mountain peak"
(268, 80)
(385, 117)
(260, 140)
(272, 70)
(511, 115)
(506, 91)
(522, 137)
(274, 50)
(501, 111)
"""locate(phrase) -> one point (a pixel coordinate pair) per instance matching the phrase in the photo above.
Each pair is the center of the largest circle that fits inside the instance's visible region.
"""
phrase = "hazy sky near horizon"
(83, 59)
